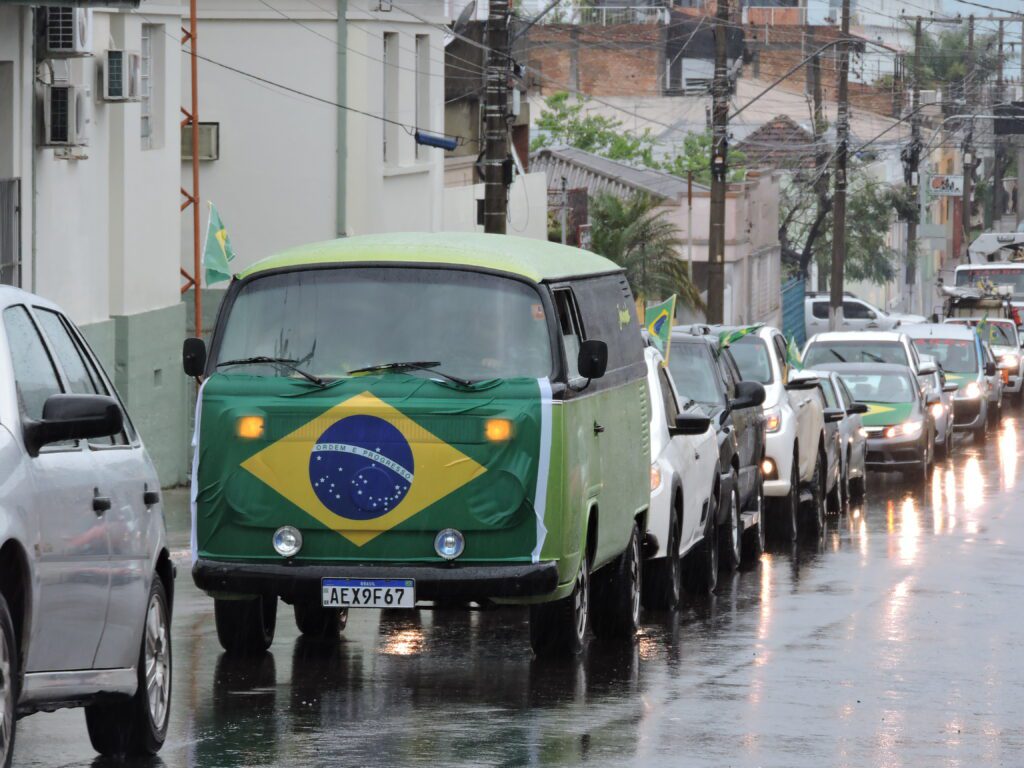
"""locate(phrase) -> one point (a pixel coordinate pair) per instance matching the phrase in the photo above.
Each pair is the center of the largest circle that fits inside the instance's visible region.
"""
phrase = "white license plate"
(368, 593)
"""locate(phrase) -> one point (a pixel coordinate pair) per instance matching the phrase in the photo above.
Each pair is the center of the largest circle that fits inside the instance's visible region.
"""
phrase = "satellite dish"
(463, 21)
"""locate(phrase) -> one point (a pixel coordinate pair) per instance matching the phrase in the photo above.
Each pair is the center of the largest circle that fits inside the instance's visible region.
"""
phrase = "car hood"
(884, 414)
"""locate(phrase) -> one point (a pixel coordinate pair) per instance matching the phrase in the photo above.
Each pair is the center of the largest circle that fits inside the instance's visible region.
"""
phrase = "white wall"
(527, 207)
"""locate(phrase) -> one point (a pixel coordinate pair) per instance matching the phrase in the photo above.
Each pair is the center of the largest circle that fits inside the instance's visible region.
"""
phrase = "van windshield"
(329, 322)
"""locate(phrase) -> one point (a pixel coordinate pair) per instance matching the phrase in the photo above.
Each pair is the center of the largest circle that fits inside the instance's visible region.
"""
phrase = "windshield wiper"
(872, 355)
(837, 355)
(414, 365)
(264, 359)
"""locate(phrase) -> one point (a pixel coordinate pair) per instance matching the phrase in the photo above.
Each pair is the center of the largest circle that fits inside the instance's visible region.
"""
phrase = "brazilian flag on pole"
(658, 322)
(217, 252)
(725, 338)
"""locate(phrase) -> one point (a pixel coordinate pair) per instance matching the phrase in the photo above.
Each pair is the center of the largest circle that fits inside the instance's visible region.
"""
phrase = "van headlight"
(971, 390)
(287, 541)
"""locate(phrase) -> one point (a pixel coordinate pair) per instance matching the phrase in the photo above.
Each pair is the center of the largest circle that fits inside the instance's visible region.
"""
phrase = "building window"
(146, 87)
(390, 92)
(422, 85)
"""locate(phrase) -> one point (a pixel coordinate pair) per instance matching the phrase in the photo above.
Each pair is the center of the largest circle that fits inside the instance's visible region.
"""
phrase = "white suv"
(87, 582)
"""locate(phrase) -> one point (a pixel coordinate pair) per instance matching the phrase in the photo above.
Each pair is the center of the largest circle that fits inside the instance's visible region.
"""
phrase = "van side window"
(571, 328)
(35, 378)
(609, 311)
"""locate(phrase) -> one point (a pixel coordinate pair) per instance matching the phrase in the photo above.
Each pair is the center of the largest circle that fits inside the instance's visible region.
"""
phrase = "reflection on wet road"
(892, 642)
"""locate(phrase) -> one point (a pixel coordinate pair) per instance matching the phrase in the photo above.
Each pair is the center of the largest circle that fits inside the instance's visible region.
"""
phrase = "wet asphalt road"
(895, 642)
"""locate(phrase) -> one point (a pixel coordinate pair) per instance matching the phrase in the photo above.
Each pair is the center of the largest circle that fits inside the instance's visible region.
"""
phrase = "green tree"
(696, 157)
(641, 240)
(944, 60)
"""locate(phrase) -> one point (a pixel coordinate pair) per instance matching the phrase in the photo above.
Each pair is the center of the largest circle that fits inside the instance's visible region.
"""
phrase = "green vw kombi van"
(391, 419)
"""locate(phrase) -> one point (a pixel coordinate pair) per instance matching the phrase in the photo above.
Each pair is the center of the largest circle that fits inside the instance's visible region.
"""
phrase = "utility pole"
(998, 206)
(913, 165)
(835, 310)
(821, 153)
(719, 168)
(689, 224)
(495, 118)
(966, 152)
(564, 216)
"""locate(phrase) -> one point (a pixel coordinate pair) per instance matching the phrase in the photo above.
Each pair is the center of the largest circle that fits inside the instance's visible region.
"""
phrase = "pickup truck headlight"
(971, 390)
(1011, 361)
(773, 419)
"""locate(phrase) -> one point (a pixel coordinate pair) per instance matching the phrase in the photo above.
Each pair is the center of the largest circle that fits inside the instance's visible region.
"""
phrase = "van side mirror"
(592, 361)
(858, 408)
(193, 357)
(690, 424)
(748, 395)
(73, 417)
(990, 368)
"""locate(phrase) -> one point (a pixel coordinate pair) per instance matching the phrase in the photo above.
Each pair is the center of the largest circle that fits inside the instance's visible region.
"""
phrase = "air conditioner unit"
(209, 141)
(66, 115)
(68, 31)
(121, 76)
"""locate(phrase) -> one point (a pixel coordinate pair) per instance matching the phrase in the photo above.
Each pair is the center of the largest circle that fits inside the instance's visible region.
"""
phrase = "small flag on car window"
(658, 320)
(725, 338)
(793, 355)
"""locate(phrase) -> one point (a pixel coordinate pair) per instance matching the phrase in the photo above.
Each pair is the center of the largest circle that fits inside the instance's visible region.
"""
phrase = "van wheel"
(246, 626)
(617, 593)
(661, 580)
(137, 727)
(701, 570)
(732, 536)
(559, 628)
(318, 622)
(8, 684)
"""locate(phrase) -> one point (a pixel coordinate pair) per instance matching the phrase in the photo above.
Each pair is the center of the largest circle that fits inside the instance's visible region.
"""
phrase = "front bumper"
(294, 581)
(968, 412)
(895, 452)
(779, 449)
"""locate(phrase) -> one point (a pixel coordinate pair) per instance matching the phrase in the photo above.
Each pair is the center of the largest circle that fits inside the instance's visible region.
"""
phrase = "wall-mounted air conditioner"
(66, 108)
(209, 141)
(67, 31)
(121, 74)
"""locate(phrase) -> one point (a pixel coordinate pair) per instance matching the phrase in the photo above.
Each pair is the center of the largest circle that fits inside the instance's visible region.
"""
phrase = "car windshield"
(954, 355)
(751, 356)
(997, 333)
(329, 322)
(982, 278)
(693, 373)
(879, 387)
(824, 352)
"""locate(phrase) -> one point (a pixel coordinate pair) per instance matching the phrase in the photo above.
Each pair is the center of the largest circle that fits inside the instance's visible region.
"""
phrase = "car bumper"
(968, 413)
(778, 449)
(895, 453)
(293, 581)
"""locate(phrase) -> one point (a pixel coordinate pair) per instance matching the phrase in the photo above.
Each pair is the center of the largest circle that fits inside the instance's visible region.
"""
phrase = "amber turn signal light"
(498, 430)
(250, 427)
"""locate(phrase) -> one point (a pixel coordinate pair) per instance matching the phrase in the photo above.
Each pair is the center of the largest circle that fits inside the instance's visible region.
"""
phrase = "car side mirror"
(927, 368)
(833, 415)
(748, 395)
(73, 417)
(690, 424)
(990, 368)
(593, 359)
(193, 357)
(950, 386)
(857, 408)
(932, 398)
(801, 380)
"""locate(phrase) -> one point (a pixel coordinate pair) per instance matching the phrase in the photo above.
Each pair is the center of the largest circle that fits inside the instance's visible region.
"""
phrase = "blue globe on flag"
(361, 467)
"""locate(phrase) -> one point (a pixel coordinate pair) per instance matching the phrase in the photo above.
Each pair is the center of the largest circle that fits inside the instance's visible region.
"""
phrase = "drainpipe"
(342, 188)
(30, 24)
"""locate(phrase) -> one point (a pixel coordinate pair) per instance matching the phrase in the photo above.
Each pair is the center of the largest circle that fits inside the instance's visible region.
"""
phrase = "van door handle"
(100, 504)
(598, 429)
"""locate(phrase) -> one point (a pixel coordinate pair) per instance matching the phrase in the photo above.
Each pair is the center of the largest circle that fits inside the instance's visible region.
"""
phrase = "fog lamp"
(449, 543)
(287, 541)
(767, 467)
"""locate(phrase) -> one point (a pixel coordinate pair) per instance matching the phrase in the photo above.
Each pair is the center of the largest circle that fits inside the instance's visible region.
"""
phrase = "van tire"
(127, 728)
(559, 628)
(617, 591)
(662, 581)
(315, 621)
(246, 627)
(9, 678)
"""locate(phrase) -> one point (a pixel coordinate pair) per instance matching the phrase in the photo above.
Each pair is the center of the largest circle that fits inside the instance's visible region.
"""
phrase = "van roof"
(535, 260)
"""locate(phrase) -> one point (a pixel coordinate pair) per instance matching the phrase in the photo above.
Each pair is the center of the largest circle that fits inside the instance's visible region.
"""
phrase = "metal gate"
(10, 232)
(793, 311)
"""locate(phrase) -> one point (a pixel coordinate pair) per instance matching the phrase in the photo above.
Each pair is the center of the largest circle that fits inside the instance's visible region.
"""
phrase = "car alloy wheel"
(581, 600)
(158, 662)
(7, 703)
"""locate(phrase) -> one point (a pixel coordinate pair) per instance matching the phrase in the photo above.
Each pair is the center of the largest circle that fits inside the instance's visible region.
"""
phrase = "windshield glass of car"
(824, 352)
(694, 376)
(998, 334)
(880, 387)
(329, 322)
(751, 356)
(983, 278)
(954, 355)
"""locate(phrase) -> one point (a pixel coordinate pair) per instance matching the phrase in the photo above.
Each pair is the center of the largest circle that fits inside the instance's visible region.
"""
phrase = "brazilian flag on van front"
(369, 468)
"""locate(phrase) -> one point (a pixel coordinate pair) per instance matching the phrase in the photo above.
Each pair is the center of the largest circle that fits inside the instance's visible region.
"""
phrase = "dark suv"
(706, 376)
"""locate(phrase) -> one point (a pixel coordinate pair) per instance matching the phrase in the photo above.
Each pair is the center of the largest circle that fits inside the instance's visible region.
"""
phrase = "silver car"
(852, 438)
(942, 411)
(87, 583)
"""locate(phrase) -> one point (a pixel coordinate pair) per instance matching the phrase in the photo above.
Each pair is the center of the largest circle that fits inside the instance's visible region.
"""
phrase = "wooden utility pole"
(913, 164)
(496, 155)
(998, 205)
(821, 153)
(719, 168)
(966, 150)
(835, 310)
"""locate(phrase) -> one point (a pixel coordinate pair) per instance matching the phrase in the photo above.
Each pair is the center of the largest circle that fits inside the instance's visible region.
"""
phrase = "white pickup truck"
(796, 454)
